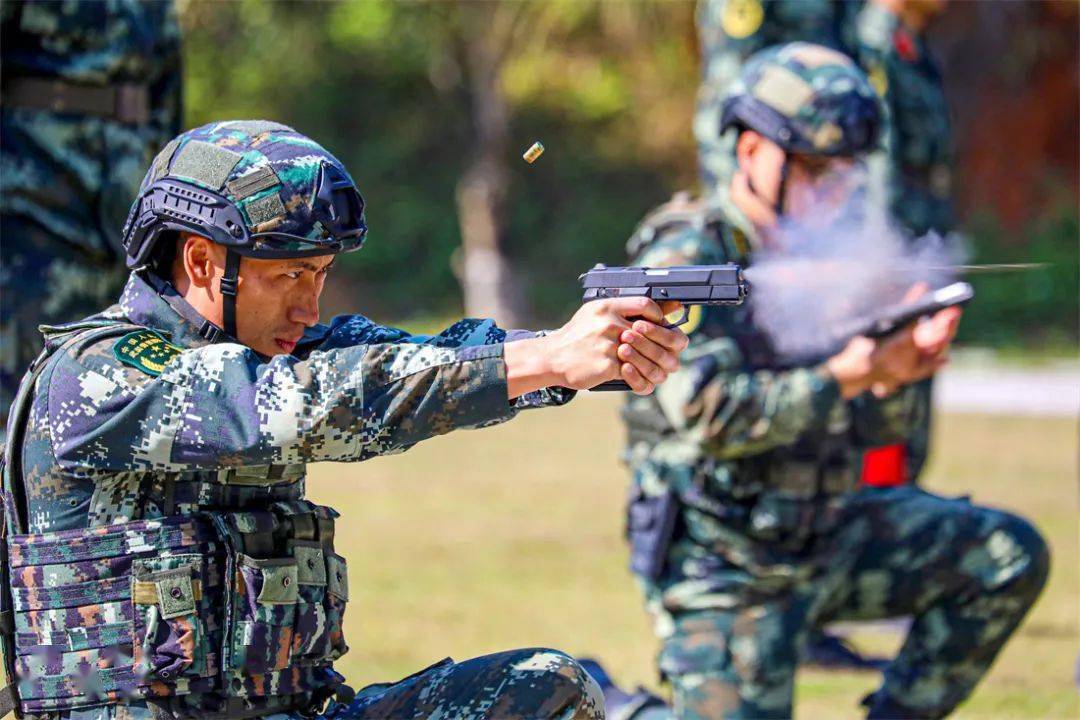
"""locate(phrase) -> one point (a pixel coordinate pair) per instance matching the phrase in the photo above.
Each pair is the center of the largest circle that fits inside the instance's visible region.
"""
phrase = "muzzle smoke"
(812, 279)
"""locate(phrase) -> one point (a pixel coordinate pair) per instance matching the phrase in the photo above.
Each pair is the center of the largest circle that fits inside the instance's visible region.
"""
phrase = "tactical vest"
(820, 464)
(231, 606)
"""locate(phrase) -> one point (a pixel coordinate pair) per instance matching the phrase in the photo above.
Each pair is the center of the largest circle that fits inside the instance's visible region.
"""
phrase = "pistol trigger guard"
(683, 320)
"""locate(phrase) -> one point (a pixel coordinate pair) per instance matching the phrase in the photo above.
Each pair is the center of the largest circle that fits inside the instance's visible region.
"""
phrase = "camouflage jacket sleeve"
(223, 405)
(354, 329)
(716, 400)
(892, 420)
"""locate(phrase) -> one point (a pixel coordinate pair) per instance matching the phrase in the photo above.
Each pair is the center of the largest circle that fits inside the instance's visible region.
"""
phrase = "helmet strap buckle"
(230, 285)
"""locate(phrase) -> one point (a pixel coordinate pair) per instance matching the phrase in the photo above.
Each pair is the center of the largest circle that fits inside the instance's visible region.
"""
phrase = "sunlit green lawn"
(511, 537)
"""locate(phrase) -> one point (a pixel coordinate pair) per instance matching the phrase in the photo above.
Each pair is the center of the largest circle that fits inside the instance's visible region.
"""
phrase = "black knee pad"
(1032, 572)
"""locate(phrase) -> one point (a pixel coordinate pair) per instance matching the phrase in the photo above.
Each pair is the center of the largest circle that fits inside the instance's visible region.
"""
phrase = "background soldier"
(90, 91)
(746, 529)
(157, 452)
(910, 175)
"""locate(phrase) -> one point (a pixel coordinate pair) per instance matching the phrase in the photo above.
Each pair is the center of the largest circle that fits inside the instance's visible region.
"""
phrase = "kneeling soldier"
(163, 559)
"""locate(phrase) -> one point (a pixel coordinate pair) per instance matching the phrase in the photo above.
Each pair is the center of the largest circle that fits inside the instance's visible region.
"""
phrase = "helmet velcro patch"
(261, 178)
(256, 127)
(782, 90)
(264, 209)
(205, 163)
(160, 166)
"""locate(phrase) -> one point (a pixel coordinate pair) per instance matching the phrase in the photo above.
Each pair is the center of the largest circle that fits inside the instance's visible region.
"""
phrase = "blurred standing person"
(89, 91)
(912, 174)
(888, 41)
(730, 31)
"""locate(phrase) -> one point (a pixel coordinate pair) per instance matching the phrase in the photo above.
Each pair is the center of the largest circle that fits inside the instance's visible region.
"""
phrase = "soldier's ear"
(746, 146)
(200, 260)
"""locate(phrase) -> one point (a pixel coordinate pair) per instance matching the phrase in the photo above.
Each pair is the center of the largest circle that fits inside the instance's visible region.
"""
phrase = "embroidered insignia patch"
(146, 350)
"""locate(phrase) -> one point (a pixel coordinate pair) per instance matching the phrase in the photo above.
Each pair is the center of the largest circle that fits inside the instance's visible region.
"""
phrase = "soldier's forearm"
(528, 367)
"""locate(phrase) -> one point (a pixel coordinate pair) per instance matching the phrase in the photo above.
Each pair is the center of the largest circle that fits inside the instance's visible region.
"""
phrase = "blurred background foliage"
(424, 101)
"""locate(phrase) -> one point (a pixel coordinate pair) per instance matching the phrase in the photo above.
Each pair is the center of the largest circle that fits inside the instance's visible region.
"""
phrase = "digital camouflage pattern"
(126, 592)
(530, 683)
(351, 390)
(66, 179)
(772, 537)
(912, 174)
(267, 170)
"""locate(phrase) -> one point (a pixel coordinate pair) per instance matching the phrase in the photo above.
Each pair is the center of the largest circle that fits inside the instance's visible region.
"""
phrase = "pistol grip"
(610, 385)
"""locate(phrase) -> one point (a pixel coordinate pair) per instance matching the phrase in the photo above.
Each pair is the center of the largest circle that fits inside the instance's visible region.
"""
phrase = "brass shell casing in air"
(534, 151)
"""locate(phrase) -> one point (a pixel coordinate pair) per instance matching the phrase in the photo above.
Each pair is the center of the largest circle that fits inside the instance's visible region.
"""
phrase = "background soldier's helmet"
(259, 188)
(807, 99)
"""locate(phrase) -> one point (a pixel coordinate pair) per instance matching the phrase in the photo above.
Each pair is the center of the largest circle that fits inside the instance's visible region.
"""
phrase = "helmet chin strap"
(229, 285)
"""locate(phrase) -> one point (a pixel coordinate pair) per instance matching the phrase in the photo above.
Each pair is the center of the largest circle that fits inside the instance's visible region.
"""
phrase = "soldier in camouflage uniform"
(91, 90)
(729, 32)
(910, 174)
(163, 560)
(747, 526)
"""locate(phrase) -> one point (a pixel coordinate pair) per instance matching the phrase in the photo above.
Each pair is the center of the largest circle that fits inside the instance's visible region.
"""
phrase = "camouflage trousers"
(967, 574)
(533, 683)
(530, 684)
(44, 280)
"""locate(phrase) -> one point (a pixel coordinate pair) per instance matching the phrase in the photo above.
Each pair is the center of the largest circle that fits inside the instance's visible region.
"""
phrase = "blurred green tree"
(423, 99)
(431, 104)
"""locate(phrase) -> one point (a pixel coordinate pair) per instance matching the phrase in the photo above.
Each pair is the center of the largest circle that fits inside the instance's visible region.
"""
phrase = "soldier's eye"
(294, 275)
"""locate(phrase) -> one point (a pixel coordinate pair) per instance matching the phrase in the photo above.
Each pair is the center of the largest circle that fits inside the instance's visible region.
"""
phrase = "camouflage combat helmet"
(259, 188)
(807, 99)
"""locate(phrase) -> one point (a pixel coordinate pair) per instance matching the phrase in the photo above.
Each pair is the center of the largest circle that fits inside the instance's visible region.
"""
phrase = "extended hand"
(905, 357)
(605, 340)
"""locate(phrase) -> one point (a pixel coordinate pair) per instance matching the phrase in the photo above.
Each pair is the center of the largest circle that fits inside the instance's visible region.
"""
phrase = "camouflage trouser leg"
(526, 684)
(43, 280)
(967, 574)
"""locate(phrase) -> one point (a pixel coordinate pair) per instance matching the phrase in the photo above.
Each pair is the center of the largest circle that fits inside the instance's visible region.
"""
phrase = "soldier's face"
(818, 188)
(277, 300)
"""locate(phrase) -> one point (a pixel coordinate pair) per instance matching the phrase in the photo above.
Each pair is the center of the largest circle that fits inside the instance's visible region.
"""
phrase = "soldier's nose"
(306, 312)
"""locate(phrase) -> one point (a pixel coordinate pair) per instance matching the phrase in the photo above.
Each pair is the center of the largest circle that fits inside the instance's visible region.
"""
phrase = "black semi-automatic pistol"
(888, 320)
(687, 284)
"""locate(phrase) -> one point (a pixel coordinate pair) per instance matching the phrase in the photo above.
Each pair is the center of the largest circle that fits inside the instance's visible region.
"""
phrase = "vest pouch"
(337, 596)
(323, 580)
(285, 604)
(174, 601)
(80, 629)
(650, 527)
(265, 601)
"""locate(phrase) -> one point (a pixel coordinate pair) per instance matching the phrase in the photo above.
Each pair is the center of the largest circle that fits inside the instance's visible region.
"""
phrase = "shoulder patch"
(146, 350)
(742, 18)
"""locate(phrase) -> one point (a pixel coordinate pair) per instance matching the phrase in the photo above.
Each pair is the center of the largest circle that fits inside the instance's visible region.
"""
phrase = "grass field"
(511, 537)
